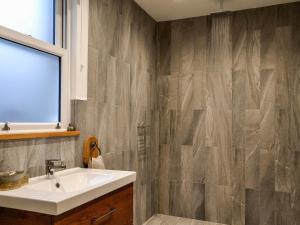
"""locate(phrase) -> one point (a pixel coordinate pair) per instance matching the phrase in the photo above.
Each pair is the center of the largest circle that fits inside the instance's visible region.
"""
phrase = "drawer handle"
(104, 218)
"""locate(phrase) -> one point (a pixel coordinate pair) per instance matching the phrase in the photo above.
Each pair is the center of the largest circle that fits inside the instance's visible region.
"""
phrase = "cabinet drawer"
(115, 208)
(20, 217)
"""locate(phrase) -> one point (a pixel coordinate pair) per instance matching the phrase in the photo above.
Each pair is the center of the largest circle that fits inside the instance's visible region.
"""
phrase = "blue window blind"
(29, 84)
(31, 17)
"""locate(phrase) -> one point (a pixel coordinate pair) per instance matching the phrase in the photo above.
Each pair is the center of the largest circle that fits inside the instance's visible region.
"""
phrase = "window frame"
(57, 50)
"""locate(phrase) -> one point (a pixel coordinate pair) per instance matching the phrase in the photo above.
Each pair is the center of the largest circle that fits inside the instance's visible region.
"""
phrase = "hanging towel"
(97, 163)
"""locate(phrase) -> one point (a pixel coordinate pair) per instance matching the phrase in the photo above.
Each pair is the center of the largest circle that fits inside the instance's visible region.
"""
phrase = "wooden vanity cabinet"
(115, 208)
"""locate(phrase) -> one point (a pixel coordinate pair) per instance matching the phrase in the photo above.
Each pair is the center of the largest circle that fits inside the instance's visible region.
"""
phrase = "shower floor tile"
(172, 220)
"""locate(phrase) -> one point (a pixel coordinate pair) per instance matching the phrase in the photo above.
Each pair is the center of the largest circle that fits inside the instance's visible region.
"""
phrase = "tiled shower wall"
(120, 110)
(30, 155)
(229, 117)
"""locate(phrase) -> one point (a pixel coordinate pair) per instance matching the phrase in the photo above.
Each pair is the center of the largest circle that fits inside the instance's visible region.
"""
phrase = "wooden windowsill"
(37, 135)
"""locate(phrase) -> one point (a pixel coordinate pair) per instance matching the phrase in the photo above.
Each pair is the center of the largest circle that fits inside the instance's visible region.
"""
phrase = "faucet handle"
(63, 164)
(53, 165)
(52, 162)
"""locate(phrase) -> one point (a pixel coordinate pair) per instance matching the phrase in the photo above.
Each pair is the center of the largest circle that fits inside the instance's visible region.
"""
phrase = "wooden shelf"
(38, 135)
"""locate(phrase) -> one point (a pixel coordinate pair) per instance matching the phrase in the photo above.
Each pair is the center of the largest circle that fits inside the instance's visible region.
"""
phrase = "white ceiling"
(164, 10)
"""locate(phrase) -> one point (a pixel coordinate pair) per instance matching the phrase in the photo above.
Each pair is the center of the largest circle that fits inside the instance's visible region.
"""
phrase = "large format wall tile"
(234, 100)
(30, 155)
(122, 108)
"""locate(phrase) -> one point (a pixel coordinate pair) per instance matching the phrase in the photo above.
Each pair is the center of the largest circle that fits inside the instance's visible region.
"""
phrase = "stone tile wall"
(121, 107)
(229, 117)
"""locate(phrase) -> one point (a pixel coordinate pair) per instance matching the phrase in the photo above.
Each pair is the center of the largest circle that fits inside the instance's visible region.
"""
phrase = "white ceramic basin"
(71, 182)
(76, 187)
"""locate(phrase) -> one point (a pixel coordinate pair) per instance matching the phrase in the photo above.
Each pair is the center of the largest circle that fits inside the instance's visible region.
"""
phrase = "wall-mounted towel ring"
(90, 150)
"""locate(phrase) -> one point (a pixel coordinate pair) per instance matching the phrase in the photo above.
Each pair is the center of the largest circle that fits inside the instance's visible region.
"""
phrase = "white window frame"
(77, 42)
(65, 102)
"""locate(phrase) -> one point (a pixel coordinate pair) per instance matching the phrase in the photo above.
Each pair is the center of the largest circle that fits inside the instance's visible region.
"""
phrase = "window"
(30, 17)
(34, 69)
(31, 83)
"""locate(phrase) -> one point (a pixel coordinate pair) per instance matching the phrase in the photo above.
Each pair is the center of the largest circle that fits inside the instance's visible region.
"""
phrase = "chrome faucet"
(54, 165)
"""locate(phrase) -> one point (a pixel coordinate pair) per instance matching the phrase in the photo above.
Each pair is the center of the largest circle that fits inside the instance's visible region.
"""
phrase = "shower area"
(206, 110)
(229, 112)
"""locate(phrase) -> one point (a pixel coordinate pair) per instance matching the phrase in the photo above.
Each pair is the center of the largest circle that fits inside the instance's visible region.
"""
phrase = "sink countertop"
(78, 186)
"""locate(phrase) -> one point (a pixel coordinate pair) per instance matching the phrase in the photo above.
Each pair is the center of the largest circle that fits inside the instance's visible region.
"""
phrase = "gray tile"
(267, 169)
(267, 207)
(181, 198)
(187, 52)
(93, 56)
(268, 17)
(252, 169)
(201, 33)
(198, 201)
(175, 46)
(218, 203)
(164, 50)
(199, 90)
(164, 179)
(296, 186)
(253, 69)
(267, 104)
(252, 207)
(185, 164)
(284, 212)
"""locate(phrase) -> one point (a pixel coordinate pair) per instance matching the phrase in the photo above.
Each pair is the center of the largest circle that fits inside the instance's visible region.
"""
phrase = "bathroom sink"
(67, 190)
(71, 182)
